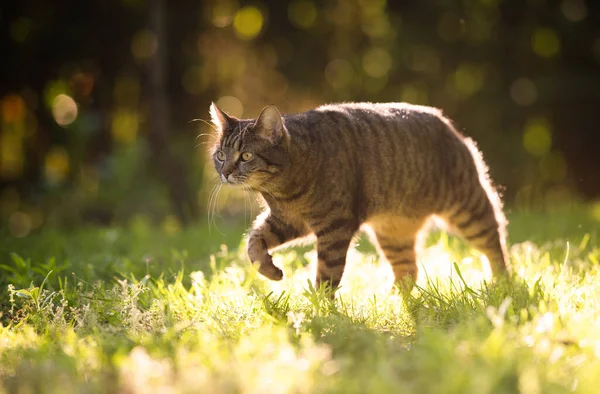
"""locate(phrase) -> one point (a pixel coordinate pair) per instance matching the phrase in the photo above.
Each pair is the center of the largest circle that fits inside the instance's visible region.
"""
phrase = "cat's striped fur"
(331, 170)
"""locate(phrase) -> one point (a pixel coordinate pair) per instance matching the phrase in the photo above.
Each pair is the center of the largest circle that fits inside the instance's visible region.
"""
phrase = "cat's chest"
(294, 212)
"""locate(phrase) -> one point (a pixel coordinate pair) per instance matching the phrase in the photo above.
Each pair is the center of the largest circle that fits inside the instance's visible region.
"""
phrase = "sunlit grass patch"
(215, 325)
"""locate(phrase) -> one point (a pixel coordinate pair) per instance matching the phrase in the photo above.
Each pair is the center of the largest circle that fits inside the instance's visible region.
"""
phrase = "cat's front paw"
(267, 268)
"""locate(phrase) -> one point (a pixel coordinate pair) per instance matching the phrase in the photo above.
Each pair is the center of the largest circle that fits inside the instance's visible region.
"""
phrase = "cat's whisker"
(210, 200)
(215, 206)
(244, 188)
(205, 122)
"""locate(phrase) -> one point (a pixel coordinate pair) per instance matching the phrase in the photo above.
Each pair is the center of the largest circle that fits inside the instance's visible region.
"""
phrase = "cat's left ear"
(220, 118)
(269, 125)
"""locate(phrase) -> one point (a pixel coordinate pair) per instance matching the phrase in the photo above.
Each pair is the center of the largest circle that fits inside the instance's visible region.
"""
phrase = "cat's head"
(250, 151)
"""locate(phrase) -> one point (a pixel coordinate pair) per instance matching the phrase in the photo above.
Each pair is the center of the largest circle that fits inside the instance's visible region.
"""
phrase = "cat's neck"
(292, 176)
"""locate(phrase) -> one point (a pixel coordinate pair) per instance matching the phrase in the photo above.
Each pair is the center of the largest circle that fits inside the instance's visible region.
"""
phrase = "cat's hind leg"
(396, 239)
(480, 221)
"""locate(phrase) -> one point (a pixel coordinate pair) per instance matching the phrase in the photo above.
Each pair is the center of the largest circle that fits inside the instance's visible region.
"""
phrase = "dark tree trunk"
(170, 168)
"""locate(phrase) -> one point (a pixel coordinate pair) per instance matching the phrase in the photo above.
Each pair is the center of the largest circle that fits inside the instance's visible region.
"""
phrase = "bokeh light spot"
(12, 108)
(378, 25)
(64, 110)
(537, 138)
(19, 224)
(53, 89)
(339, 73)
(412, 94)
(553, 167)
(144, 44)
(545, 42)
(596, 211)
(127, 91)
(125, 125)
(56, 165)
(248, 23)
(523, 91)
(11, 154)
(574, 10)
(20, 29)
(468, 79)
(231, 105)
(171, 225)
(302, 14)
(222, 13)
(377, 62)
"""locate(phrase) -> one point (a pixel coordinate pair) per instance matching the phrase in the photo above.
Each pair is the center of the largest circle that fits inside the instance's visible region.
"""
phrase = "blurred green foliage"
(78, 98)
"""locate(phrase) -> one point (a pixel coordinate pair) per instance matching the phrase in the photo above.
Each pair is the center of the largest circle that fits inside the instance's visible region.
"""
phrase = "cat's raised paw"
(271, 271)
(268, 269)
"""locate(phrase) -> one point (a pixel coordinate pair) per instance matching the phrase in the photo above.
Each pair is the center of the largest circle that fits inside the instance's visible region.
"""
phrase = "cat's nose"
(226, 173)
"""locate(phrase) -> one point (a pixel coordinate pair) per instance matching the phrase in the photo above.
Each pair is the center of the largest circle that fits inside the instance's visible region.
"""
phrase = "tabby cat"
(387, 167)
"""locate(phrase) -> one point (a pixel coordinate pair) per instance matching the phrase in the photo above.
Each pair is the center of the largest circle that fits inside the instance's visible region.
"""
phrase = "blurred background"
(98, 97)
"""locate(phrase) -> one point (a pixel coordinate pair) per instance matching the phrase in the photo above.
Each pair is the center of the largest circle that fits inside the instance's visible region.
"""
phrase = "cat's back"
(383, 150)
(379, 110)
(378, 128)
(364, 122)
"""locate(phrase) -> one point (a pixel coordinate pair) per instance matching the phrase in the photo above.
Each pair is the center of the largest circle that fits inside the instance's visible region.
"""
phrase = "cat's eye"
(220, 155)
(246, 156)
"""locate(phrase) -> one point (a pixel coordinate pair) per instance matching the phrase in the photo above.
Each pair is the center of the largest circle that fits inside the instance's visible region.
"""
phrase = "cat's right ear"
(220, 118)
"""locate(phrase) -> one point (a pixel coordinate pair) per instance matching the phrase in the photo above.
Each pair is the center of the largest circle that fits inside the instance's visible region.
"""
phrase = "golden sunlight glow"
(367, 276)
(64, 110)
(248, 23)
(231, 105)
(222, 13)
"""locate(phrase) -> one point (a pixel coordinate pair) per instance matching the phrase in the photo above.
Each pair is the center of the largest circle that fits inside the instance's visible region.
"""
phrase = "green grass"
(140, 310)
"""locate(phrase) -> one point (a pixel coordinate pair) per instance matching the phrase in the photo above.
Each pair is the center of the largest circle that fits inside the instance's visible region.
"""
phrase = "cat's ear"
(220, 118)
(269, 125)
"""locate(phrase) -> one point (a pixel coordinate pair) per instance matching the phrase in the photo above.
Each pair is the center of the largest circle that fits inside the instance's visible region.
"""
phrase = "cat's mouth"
(233, 181)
